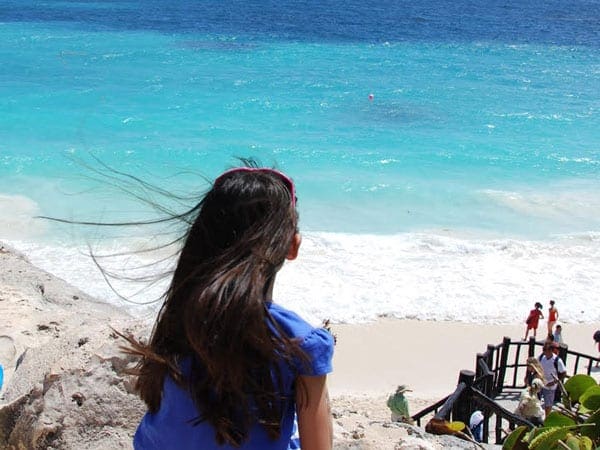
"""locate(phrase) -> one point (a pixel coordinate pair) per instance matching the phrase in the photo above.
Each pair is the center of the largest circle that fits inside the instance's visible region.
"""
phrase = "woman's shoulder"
(296, 327)
(290, 322)
(316, 342)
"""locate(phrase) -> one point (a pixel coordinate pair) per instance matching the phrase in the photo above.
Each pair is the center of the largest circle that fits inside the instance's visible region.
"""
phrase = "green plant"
(574, 426)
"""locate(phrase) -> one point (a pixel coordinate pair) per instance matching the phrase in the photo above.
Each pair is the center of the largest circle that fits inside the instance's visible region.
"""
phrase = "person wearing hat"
(534, 370)
(399, 405)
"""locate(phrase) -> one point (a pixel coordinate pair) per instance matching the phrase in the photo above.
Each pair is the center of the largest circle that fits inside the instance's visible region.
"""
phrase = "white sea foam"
(554, 204)
(16, 213)
(582, 160)
(425, 276)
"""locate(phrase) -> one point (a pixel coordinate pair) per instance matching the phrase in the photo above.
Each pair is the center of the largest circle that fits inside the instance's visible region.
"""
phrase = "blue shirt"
(170, 427)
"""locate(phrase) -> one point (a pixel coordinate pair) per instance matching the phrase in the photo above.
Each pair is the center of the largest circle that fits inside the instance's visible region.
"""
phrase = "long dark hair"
(215, 312)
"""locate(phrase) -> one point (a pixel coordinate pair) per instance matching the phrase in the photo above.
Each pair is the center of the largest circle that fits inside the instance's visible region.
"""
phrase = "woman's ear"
(294, 247)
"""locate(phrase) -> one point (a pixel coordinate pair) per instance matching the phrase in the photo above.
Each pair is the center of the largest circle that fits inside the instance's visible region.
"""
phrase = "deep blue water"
(534, 22)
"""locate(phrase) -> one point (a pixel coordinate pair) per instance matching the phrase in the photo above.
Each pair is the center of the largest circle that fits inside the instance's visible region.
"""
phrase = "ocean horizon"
(446, 154)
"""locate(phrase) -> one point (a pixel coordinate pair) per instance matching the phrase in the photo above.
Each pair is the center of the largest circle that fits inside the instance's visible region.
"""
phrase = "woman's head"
(245, 227)
(533, 365)
(538, 305)
(249, 211)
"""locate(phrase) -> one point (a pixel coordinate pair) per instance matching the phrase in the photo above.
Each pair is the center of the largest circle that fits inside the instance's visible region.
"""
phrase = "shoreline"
(370, 358)
(354, 278)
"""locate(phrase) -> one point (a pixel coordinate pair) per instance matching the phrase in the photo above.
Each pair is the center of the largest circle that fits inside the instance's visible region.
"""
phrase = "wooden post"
(563, 353)
(516, 360)
(489, 383)
(490, 356)
(446, 409)
(462, 407)
(531, 348)
(502, 364)
(478, 357)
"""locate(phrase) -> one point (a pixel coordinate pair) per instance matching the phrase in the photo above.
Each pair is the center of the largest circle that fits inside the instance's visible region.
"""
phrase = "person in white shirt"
(554, 370)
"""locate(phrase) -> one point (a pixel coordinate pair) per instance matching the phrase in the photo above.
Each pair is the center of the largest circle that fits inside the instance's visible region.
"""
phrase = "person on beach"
(226, 367)
(552, 316)
(399, 405)
(558, 334)
(533, 320)
(554, 371)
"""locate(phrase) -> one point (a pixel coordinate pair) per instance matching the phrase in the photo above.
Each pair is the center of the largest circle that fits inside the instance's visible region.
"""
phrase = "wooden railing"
(498, 369)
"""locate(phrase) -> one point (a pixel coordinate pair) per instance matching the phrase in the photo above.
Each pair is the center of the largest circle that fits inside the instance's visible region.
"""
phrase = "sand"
(372, 359)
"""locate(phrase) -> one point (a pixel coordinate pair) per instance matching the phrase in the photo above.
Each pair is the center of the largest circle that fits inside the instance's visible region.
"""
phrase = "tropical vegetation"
(574, 424)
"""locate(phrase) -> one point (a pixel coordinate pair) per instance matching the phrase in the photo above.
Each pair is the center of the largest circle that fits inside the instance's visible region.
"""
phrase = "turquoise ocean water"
(445, 154)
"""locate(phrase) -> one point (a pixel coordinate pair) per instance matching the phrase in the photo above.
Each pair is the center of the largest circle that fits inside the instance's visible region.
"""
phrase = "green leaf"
(583, 410)
(514, 441)
(590, 399)
(578, 384)
(556, 419)
(579, 442)
(592, 432)
(547, 438)
(585, 443)
(572, 442)
(532, 434)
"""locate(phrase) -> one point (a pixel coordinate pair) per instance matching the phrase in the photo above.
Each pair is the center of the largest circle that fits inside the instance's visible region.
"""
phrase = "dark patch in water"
(553, 22)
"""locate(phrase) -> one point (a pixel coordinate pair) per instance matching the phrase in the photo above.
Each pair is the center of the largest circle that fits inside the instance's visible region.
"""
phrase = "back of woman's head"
(215, 310)
(533, 363)
(246, 211)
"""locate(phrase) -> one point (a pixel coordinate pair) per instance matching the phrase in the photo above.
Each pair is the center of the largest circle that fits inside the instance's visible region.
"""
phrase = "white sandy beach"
(372, 359)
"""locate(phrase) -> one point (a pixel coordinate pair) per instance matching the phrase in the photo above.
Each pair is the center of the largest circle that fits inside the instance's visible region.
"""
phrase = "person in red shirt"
(533, 320)
(552, 316)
